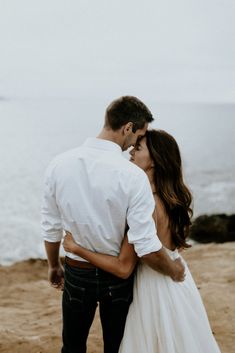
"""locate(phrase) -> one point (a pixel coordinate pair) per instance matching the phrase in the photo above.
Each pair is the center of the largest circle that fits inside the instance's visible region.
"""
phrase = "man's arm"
(52, 231)
(142, 231)
(160, 261)
(55, 268)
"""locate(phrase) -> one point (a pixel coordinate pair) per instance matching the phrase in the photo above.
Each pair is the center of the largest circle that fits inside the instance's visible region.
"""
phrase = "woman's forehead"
(142, 140)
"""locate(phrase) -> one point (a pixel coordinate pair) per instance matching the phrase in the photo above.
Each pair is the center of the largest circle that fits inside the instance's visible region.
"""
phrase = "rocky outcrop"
(218, 228)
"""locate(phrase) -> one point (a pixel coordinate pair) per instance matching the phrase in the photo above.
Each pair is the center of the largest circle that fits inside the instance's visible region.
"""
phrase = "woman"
(165, 316)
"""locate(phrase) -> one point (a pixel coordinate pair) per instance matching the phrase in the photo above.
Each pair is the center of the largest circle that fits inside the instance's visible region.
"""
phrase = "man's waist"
(100, 250)
(78, 263)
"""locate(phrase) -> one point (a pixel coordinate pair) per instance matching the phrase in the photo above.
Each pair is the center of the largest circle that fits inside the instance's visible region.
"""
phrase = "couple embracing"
(126, 223)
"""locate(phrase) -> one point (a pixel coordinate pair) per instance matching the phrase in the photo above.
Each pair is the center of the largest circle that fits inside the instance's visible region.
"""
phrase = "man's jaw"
(125, 148)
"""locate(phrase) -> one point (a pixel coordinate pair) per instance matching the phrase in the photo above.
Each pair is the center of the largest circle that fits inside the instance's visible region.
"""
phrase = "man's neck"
(110, 135)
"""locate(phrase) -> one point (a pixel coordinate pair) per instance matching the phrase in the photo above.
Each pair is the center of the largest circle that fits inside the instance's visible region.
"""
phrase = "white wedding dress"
(166, 316)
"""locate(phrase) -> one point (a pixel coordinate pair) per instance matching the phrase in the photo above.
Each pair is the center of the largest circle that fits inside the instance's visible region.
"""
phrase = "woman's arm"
(120, 266)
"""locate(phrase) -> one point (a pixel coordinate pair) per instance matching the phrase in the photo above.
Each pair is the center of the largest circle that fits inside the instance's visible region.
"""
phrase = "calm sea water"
(33, 131)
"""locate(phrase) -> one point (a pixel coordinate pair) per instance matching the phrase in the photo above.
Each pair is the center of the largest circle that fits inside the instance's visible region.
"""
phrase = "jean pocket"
(74, 296)
(121, 293)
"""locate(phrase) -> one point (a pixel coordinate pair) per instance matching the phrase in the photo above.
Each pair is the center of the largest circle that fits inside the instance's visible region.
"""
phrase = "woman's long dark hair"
(169, 183)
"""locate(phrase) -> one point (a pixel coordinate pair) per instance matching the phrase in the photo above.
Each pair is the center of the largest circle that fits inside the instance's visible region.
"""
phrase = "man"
(94, 192)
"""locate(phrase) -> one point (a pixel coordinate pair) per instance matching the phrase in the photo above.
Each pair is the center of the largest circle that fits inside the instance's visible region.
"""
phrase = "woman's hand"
(69, 243)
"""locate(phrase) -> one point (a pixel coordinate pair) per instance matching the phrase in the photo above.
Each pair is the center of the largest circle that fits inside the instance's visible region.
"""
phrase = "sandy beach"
(30, 309)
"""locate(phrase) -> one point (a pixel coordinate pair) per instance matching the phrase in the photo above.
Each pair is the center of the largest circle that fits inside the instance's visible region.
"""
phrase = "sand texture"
(30, 310)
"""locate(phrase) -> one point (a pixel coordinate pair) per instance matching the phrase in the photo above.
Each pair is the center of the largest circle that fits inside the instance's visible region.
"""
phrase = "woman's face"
(140, 155)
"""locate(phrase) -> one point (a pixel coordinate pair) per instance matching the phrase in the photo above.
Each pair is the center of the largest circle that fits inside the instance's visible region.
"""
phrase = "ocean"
(33, 131)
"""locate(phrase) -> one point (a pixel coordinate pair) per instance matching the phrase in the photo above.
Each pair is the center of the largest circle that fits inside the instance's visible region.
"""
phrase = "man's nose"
(132, 151)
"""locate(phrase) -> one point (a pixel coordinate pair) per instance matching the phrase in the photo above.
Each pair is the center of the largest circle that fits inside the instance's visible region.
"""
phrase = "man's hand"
(179, 274)
(56, 277)
(160, 261)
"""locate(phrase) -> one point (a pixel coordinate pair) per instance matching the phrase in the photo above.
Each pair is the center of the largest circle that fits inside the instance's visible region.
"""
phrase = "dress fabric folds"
(166, 316)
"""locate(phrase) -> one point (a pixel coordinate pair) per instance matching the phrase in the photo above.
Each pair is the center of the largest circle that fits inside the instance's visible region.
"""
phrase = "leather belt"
(77, 263)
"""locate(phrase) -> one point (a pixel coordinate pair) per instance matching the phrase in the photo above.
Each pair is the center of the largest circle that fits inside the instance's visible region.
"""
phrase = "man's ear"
(127, 129)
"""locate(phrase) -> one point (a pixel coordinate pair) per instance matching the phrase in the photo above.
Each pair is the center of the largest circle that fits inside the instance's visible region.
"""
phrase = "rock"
(218, 228)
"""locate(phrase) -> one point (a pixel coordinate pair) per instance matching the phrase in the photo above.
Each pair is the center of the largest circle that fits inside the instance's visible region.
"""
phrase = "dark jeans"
(83, 289)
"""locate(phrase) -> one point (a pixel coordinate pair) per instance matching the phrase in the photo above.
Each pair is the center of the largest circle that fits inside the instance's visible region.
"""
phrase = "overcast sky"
(174, 50)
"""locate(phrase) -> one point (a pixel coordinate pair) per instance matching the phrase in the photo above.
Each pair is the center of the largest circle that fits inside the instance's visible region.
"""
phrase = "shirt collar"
(101, 144)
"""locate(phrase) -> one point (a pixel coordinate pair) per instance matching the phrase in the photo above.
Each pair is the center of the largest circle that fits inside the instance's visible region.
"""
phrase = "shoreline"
(31, 309)
(216, 228)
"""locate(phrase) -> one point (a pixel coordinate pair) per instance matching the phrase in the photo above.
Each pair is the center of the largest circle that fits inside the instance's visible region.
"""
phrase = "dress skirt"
(166, 316)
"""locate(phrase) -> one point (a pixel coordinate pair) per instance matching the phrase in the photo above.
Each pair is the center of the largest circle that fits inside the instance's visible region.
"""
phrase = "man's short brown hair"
(127, 109)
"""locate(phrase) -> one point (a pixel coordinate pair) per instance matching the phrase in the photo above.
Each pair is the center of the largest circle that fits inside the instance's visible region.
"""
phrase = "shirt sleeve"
(51, 224)
(142, 231)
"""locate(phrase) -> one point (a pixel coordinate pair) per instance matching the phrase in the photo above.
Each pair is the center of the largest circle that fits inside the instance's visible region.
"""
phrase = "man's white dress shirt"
(93, 192)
